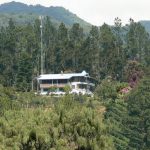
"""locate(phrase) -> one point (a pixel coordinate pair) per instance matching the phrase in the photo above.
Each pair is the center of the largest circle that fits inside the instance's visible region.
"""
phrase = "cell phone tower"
(42, 52)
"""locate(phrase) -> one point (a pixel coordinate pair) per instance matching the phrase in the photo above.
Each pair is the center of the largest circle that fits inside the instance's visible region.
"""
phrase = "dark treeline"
(104, 51)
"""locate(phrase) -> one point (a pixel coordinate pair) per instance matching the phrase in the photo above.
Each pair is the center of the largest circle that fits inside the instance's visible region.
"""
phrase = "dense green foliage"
(24, 14)
(116, 114)
(146, 24)
(64, 123)
(103, 52)
(104, 122)
(138, 123)
(116, 118)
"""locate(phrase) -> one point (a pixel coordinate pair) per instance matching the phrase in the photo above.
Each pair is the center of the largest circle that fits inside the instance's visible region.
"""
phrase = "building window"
(46, 81)
(73, 86)
(78, 79)
(45, 90)
(63, 81)
(82, 86)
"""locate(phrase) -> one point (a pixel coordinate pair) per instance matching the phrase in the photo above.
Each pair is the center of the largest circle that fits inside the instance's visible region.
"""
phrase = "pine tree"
(116, 114)
(75, 42)
(119, 60)
(62, 48)
(8, 53)
(49, 45)
(138, 123)
(107, 51)
(91, 53)
(137, 42)
(24, 75)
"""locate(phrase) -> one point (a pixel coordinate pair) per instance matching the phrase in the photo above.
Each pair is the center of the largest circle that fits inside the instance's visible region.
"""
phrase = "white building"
(78, 82)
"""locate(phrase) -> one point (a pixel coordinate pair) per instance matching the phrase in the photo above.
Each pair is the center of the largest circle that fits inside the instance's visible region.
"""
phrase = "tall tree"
(49, 45)
(8, 52)
(91, 53)
(24, 75)
(137, 42)
(76, 39)
(62, 48)
(119, 60)
(138, 123)
(107, 51)
(116, 115)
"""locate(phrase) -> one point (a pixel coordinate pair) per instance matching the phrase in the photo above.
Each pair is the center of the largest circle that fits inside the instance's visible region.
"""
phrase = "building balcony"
(52, 85)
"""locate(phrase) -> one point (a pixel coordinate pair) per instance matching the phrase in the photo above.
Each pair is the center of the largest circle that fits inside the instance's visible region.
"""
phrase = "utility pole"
(42, 59)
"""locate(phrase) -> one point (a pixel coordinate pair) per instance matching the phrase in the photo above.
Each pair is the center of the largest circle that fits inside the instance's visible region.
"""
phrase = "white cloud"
(99, 11)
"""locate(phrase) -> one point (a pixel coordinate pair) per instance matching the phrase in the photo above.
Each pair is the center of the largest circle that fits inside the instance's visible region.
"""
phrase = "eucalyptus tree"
(91, 53)
(62, 48)
(120, 59)
(108, 51)
(7, 53)
(137, 43)
(75, 41)
(49, 45)
(24, 74)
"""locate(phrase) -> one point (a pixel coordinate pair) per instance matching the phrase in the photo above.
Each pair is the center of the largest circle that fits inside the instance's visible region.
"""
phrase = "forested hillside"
(116, 118)
(103, 52)
(24, 14)
(146, 24)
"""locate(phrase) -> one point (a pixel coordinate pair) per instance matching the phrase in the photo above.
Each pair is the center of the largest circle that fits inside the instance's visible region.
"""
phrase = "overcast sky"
(99, 11)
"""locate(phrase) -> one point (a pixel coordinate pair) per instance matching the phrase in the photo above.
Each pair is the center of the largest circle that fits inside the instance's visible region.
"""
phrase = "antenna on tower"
(42, 54)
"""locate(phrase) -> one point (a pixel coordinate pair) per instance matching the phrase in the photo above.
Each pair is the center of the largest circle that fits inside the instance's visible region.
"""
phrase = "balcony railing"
(52, 85)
